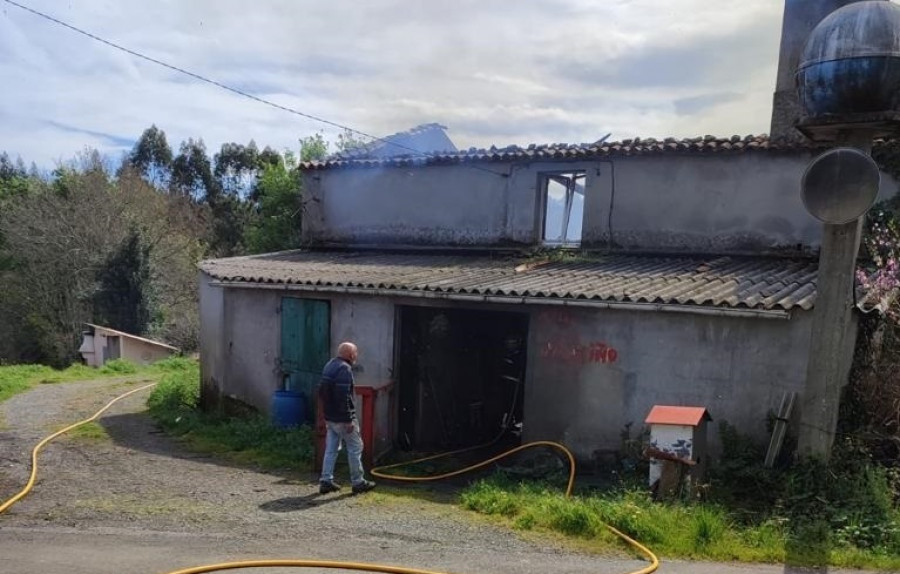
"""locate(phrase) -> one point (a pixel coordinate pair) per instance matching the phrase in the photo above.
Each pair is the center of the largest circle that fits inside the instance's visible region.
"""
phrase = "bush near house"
(250, 440)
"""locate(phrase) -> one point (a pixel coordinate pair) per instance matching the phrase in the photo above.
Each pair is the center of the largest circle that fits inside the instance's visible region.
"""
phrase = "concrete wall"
(432, 205)
(240, 346)
(212, 341)
(143, 353)
(748, 202)
(625, 362)
(690, 202)
(252, 329)
(369, 322)
(738, 368)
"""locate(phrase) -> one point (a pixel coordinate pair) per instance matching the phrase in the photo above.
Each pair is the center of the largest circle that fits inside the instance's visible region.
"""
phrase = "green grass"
(249, 440)
(15, 379)
(89, 432)
(700, 531)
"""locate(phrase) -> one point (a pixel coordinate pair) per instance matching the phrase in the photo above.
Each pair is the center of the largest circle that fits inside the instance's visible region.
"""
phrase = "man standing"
(336, 392)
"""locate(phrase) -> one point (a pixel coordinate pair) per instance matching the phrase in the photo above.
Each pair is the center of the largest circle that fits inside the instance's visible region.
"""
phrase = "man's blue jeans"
(348, 433)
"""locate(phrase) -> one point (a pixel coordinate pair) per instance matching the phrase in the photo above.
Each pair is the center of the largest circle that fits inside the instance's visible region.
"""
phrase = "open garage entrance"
(461, 376)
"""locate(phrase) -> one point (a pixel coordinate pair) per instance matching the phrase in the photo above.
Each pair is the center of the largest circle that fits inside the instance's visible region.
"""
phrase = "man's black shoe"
(364, 486)
(327, 487)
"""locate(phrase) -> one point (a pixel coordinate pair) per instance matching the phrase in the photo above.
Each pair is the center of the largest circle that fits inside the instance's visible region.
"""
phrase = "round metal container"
(851, 62)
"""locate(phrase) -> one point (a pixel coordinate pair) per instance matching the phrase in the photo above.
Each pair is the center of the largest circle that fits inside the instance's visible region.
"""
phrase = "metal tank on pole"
(848, 85)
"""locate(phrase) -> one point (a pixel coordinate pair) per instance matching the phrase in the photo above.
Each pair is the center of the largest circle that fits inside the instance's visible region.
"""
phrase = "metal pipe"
(510, 300)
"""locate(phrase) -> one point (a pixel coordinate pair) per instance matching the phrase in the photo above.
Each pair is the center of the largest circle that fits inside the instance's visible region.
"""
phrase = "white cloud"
(493, 72)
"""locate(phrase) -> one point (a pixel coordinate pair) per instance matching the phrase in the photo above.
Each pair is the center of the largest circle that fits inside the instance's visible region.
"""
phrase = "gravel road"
(140, 503)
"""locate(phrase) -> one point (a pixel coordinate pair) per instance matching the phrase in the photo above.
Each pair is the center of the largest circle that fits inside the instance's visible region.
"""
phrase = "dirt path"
(139, 503)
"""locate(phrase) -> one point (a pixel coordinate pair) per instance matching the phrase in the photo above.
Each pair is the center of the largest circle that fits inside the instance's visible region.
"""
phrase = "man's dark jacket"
(336, 391)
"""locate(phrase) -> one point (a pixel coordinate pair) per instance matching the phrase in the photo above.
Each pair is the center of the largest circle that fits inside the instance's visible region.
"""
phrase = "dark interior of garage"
(461, 375)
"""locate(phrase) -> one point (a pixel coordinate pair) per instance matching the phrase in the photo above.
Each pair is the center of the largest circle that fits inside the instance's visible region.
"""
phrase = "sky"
(492, 71)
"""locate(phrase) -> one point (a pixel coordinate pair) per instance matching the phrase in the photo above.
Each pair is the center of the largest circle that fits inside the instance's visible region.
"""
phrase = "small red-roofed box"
(678, 431)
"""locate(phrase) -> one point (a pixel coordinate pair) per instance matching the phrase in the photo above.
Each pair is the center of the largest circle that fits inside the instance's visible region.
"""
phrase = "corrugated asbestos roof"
(561, 151)
(736, 282)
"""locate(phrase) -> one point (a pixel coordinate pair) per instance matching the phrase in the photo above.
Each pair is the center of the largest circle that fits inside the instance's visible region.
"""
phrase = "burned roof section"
(562, 151)
(425, 139)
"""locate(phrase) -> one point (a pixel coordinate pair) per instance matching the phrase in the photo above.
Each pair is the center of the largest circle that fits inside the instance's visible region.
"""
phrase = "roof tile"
(758, 282)
(628, 147)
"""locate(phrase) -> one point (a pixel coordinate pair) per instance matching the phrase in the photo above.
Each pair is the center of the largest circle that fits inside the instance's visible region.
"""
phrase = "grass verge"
(15, 379)
(249, 440)
(89, 432)
(700, 531)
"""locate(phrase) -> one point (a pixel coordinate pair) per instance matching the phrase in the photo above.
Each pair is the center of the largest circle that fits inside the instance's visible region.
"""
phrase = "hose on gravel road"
(379, 472)
(34, 452)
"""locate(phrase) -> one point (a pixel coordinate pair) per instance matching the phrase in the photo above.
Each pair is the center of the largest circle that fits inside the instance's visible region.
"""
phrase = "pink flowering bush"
(880, 279)
(871, 409)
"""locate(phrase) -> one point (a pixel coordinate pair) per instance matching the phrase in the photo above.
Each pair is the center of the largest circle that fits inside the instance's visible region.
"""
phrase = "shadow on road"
(295, 503)
(137, 431)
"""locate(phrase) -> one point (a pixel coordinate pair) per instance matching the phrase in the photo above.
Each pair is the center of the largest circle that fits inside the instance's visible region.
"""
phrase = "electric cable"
(234, 90)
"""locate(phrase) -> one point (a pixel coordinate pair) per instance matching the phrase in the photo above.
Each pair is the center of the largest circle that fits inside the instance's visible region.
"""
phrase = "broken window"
(563, 195)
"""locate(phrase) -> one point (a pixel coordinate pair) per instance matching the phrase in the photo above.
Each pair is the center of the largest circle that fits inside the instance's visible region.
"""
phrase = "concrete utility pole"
(833, 335)
(848, 88)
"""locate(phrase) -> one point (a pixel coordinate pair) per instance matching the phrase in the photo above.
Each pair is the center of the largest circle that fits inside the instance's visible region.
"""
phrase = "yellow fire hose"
(378, 472)
(34, 452)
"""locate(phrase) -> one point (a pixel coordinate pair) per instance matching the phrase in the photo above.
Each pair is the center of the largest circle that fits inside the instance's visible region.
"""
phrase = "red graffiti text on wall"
(595, 352)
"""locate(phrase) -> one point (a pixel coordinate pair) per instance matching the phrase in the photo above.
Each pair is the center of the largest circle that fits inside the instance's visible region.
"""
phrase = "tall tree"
(122, 300)
(235, 168)
(275, 224)
(192, 172)
(152, 157)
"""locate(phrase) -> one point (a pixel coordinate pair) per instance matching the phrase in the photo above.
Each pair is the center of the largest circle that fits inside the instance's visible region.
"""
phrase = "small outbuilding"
(102, 344)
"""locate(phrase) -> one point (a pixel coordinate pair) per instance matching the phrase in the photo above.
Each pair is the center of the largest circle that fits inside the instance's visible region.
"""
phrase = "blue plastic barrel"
(288, 409)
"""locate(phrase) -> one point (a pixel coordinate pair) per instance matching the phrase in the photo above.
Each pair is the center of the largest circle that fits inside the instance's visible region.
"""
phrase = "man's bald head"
(348, 352)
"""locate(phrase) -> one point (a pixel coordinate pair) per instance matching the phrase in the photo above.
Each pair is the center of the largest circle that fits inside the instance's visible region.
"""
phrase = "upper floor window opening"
(563, 199)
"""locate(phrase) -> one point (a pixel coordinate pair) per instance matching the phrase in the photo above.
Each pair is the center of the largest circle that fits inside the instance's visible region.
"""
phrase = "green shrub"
(250, 439)
(174, 364)
(632, 512)
(575, 518)
(118, 366)
(15, 379)
(489, 498)
(176, 395)
(708, 526)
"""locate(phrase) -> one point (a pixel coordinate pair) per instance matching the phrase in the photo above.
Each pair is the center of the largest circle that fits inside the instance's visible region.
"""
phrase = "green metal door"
(305, 344)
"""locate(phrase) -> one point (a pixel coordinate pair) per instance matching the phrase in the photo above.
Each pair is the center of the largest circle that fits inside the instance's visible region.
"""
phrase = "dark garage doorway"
(461, 376)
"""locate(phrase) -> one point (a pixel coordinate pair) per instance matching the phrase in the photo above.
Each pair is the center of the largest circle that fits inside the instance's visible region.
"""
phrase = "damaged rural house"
(694, 285)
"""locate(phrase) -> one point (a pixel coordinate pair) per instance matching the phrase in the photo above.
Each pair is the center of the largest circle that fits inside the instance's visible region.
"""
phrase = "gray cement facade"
(724, 202)
(736, 367)
(589, 371)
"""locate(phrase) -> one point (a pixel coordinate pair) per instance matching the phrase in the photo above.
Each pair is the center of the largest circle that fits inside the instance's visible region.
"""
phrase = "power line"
(218, 84)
